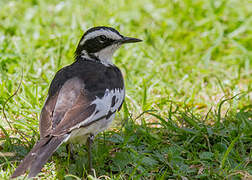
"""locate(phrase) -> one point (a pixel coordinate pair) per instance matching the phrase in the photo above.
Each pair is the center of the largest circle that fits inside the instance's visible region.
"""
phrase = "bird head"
(100, 43)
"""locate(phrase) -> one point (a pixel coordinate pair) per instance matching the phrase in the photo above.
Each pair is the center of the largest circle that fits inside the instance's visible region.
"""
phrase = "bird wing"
(61, 111)
(69, 101)
(73, 106)
(46, 115)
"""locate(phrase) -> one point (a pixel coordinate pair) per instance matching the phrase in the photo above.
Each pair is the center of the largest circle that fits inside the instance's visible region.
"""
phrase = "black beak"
(129, 40)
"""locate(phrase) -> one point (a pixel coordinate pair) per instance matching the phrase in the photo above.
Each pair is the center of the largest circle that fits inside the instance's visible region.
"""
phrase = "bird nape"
(82, 98)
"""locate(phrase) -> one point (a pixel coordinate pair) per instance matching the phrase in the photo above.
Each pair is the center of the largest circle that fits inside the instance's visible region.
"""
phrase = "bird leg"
(90, 141)
(70, 151)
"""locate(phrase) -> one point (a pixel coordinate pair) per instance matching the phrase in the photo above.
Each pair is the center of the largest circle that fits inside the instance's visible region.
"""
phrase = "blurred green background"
(188, 85)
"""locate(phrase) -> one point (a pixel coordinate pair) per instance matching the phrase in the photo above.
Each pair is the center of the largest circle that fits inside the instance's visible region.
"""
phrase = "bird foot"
(69, 149)
(90, 141)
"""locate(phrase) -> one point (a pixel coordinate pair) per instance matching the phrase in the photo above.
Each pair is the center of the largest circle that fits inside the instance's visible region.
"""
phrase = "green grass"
(188, 110)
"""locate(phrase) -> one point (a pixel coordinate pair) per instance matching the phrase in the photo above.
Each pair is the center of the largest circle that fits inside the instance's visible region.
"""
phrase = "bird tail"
(38, 156)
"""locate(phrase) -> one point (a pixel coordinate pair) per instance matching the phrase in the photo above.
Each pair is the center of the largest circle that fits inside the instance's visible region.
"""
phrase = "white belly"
(80, 135)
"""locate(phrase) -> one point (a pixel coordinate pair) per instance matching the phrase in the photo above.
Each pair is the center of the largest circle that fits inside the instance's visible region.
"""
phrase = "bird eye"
(101, 38)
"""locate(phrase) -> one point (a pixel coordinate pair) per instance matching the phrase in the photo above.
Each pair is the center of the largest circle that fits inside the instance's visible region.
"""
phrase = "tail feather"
(38, 156)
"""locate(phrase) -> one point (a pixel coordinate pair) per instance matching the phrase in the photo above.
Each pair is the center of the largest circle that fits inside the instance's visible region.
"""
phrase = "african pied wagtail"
(82, 99)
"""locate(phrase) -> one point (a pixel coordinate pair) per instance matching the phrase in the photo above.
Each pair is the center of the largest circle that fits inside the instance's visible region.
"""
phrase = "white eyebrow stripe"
(109, 34)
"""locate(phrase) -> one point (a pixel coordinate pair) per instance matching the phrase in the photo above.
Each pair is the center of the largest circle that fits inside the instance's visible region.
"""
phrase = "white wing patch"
(104, 105)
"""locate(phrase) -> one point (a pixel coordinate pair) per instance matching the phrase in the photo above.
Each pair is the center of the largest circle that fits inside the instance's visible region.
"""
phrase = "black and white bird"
(82, 99)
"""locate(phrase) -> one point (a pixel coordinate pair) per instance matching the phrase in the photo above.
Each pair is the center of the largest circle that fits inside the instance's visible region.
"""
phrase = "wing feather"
(45, 123)
(76, 107)
(68, 95)
(67, 108)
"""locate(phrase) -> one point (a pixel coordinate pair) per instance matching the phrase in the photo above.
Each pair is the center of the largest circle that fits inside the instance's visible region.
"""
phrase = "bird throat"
(103, 56)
